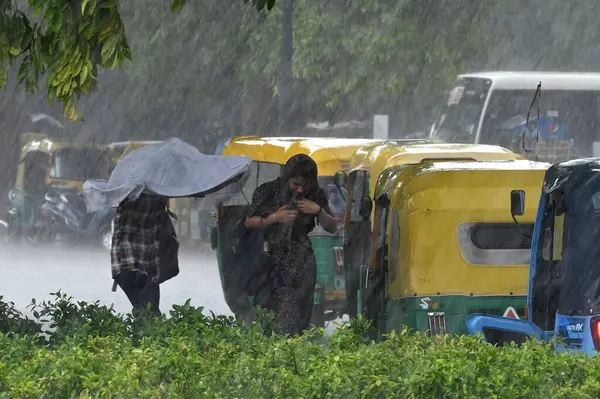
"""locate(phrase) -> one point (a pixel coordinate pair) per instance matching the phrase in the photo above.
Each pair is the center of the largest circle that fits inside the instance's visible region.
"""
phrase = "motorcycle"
(4, 234)
(74, 224)
(12, 228)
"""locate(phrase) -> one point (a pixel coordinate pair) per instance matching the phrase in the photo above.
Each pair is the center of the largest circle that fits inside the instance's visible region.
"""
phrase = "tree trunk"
(286, 84)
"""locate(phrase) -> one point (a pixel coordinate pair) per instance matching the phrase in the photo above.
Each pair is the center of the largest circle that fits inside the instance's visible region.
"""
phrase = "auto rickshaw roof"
(125, 144)
(561, 174)
(406, 174)
(365, 157)
(418, 153)
(330, 153)
(49, 146)
(391, 154)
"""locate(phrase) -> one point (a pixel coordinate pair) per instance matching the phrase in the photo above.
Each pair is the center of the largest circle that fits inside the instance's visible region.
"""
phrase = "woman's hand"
(284, 215)
(308, 207)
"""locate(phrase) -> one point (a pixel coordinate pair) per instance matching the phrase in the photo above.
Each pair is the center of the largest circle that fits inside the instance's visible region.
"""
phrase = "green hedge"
(90, 351)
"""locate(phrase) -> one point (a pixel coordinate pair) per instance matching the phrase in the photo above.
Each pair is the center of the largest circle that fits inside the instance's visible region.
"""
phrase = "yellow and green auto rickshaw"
(444, 244)
(269, 155)
(48, 165)
(366, 166)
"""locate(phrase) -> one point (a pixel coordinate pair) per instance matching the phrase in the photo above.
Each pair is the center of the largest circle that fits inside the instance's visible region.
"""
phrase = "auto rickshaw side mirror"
(340, 178)
(366, 207)
(517, 202)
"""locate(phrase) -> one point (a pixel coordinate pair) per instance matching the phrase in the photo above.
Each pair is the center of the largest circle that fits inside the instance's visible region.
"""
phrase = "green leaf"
(177, 5)
(3, 77)
(14, 51)
(84, 4)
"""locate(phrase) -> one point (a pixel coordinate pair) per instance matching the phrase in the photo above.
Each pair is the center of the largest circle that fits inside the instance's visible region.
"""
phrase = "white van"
(492, 108)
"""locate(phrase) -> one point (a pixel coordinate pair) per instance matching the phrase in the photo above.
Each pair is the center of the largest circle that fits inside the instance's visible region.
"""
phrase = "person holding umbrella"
(144, 245)
(144, 250)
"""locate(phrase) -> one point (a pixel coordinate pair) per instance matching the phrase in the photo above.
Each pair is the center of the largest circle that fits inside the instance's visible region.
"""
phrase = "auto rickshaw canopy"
(379, 157)
(331, 154)
(40, 148)
(450, 227)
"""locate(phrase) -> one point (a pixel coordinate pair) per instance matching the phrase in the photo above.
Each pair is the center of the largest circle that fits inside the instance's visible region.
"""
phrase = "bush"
(76, 349)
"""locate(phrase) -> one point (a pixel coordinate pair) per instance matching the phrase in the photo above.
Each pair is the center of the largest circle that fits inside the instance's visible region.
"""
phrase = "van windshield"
(565, 128)
(458, 123)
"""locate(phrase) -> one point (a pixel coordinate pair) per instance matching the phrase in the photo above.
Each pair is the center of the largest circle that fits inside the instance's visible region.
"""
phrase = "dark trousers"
(141, 292)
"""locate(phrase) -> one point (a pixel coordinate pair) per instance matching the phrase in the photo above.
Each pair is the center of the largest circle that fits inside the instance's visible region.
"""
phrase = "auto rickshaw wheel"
(4, 233)
(106, 239)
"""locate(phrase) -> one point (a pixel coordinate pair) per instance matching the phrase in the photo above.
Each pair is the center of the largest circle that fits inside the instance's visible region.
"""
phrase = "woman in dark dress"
(288, 208)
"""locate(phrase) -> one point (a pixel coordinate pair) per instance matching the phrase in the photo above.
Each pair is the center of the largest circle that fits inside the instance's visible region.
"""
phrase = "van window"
(394, 244)
(495, 243)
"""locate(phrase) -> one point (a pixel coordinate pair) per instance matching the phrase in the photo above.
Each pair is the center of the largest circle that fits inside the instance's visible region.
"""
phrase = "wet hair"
(301, 165)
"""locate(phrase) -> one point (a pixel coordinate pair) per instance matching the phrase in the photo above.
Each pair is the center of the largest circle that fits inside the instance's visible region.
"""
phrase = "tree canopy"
(350, 57)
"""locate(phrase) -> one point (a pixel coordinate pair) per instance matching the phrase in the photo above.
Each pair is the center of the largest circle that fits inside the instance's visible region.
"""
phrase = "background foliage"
(210, 70)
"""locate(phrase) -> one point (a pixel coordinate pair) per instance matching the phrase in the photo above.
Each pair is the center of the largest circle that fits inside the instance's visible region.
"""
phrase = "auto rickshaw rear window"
(81, 164)
(501, 235)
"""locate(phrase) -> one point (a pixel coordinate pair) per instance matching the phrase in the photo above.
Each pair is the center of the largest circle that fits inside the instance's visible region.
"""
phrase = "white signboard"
(380, 127)
(596, 149)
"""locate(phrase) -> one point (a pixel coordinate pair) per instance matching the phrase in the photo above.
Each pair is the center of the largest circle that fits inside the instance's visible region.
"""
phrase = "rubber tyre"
(106, 239)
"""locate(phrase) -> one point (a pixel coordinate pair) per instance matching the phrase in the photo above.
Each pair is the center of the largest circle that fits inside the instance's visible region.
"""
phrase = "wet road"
(84, 273)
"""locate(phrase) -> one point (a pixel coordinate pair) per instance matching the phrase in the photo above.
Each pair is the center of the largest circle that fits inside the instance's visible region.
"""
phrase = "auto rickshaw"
(563, 299)
(444, 245)
(366, 166)
(269, 154)
(47, 165)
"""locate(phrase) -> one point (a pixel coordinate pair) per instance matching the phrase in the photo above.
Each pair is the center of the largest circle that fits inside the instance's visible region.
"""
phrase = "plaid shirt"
(136, 242)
